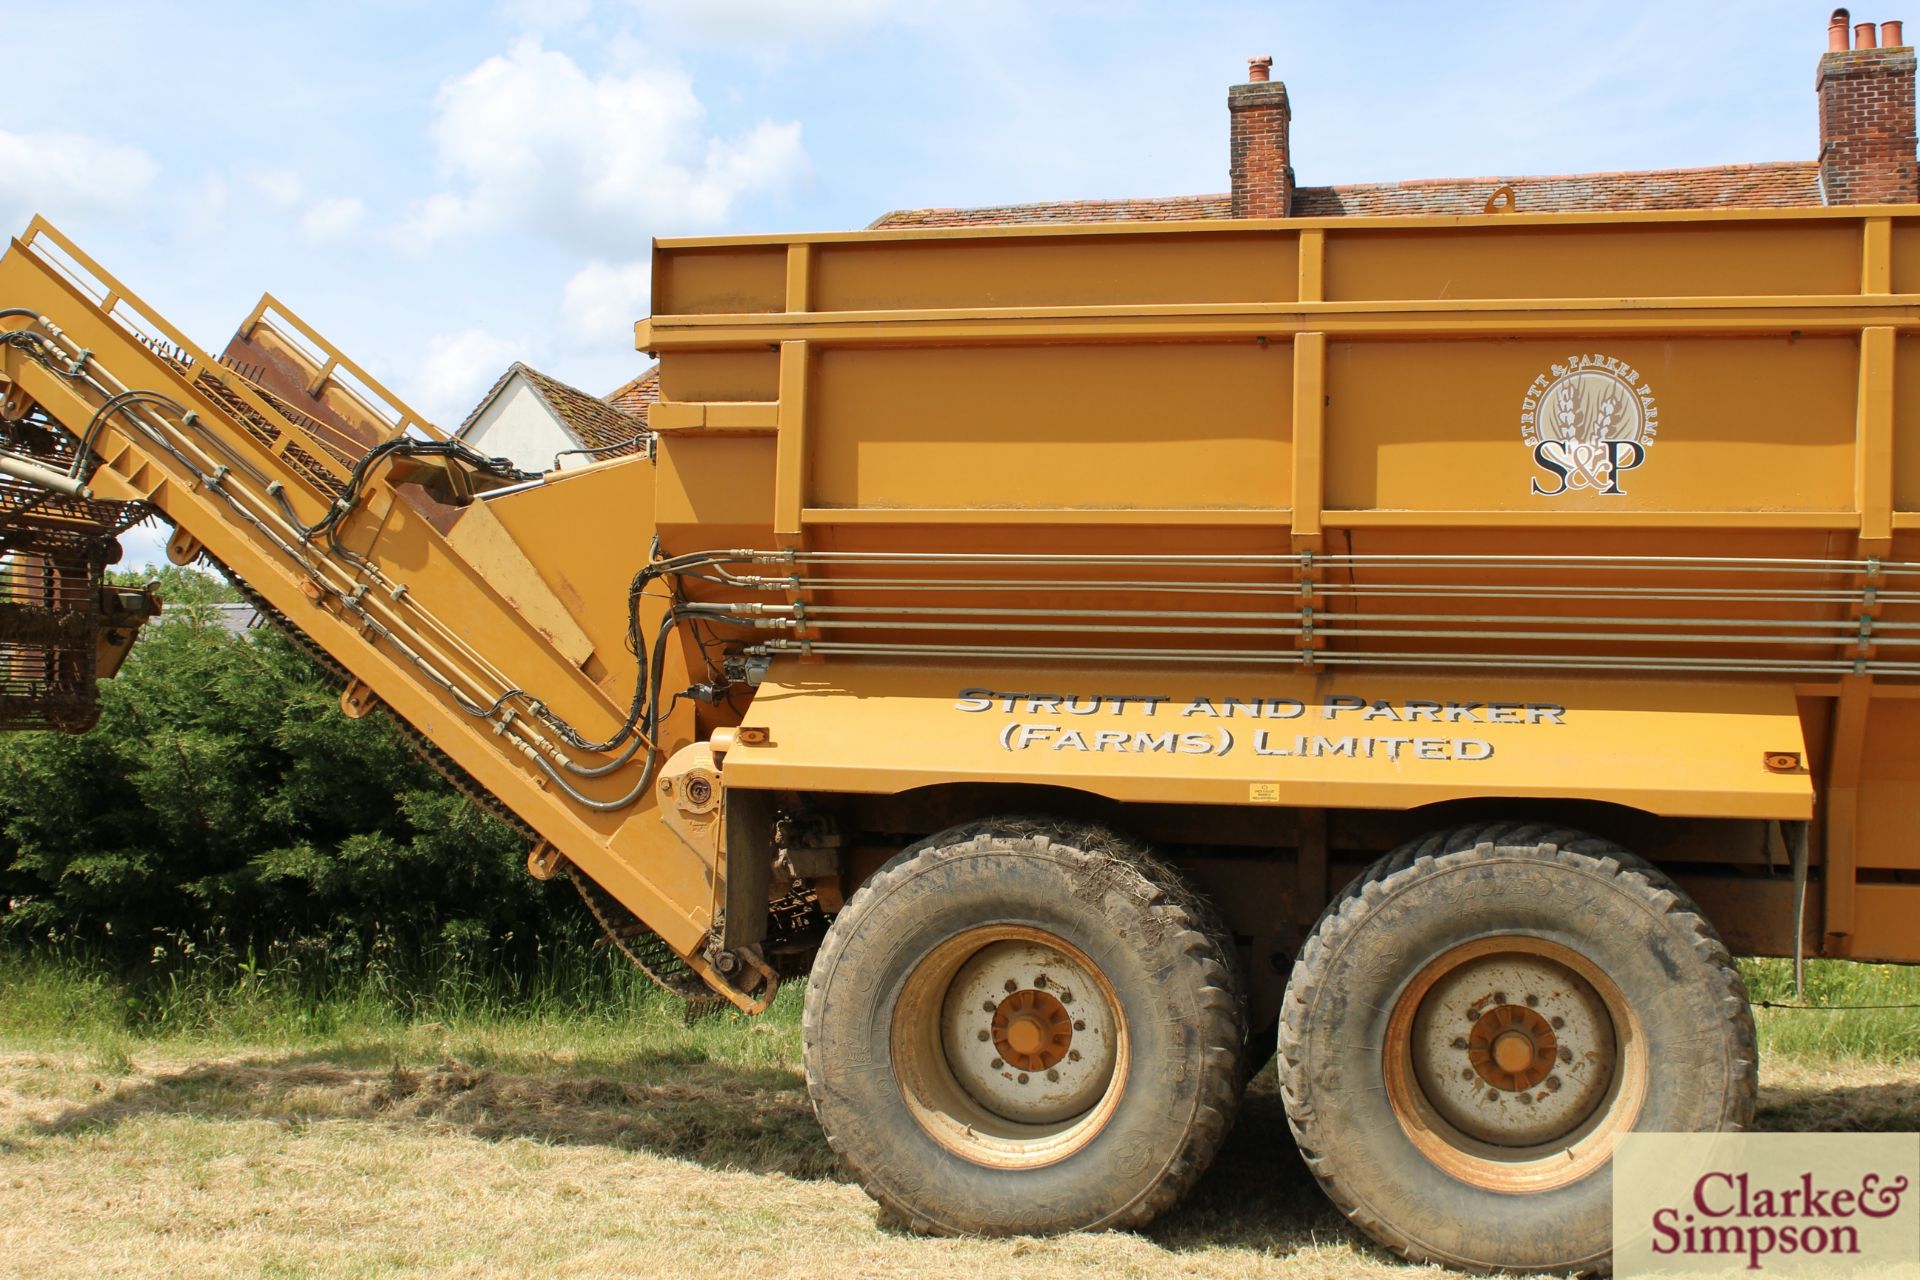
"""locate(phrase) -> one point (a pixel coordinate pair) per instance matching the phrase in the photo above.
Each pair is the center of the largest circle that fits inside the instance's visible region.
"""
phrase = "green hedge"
(223, 800)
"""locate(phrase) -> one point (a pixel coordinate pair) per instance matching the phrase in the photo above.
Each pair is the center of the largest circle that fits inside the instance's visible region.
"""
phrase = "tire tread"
(1476, 841)
(1201, 940)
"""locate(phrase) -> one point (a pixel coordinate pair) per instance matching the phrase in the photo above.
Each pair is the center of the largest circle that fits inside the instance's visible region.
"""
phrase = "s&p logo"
(1589, 421)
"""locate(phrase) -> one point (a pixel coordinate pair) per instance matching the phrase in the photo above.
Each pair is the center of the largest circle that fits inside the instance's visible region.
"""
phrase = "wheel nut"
(1533, 1002)
(1079, 1024)
(985, 1034)
(1073, 1055)
(1040, 981)
(1459, 1042)
(996, 1064)
(1473, 1014)
(1022, 1077)
(989, 1006)
(1553, 1084)
(1566, 1054)
(1468, 1074)
(1493, 1095)
(1558, 1023)
(1526, 1099)
(1053, 1073)
(1499, 997)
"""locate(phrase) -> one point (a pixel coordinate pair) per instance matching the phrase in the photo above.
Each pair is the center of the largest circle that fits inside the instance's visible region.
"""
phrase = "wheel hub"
(1032, 1030)
(1026, 1033)
(1513, 1048)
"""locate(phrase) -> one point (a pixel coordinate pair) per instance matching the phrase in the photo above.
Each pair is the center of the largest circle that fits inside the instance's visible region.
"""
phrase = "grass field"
(230, 1126)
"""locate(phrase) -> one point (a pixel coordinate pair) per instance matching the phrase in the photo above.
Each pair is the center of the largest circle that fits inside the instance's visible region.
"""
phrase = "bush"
(223, 800)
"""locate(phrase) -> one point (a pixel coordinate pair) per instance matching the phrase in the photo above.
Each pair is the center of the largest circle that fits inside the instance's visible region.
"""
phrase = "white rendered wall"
(518, 425)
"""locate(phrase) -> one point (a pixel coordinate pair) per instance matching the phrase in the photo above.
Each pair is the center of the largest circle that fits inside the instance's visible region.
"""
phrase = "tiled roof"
(1785, 184)
(638, 397)
(1150, 209)
(595, 423)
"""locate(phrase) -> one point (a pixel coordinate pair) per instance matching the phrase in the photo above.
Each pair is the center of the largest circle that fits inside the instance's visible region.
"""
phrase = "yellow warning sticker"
(1268, 791)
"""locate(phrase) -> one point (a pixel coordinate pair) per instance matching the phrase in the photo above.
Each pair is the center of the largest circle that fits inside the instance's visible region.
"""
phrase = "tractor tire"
(1023, 1027)
(1475, 1020)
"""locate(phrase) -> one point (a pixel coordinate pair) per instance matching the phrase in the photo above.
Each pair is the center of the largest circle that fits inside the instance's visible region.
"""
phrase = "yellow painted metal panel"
(1202, 425)
(484, 541)
(721, 375)
(1884, 929)
(1687, 260)
(1308, 464)
(601, 507)
(715, 415)
(792, 467)
(1888, 830)
(1607, 219)
(1906, 256)
(1906, 420)
(1255, 517)
(1873, 437)
(1389, 741)
(1029, 273)
(716, 482)
(1760, 424)
(705, 282)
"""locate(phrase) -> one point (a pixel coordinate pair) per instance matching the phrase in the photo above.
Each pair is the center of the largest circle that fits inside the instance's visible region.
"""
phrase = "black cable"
(1828, 1008)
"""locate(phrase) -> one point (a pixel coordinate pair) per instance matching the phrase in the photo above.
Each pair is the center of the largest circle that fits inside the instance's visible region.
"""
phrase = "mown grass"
(592, 1001)
(1838, 1028)
(230, 1118)
(575, 1005)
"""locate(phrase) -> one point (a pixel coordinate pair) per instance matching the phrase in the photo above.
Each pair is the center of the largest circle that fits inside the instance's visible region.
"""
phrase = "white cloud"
(281, 187)
(333, 217)
(603, 299)
(529, 141)
(764, 25)
(545, 15)
(68, 175)
(206, 206)
(456, 371)
(433, 219)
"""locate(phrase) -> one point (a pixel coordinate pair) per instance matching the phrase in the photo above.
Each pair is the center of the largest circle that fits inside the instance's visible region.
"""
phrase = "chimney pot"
(1837, 31)
(1258, 161)
(1867, 126)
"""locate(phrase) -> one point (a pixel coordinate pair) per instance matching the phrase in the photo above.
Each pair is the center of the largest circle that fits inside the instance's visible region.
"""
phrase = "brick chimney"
(1260, 164)
(1866, 116)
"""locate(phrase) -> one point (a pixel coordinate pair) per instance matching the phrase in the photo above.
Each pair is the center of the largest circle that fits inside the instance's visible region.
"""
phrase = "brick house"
(1864, 84)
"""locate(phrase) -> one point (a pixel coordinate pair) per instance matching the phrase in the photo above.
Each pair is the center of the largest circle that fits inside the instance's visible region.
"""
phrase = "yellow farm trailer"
(1097, 658)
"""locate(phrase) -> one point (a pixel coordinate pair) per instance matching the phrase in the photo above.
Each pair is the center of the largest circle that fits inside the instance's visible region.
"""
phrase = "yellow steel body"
(1344, 388)
(1300, 392)
(1331, 741)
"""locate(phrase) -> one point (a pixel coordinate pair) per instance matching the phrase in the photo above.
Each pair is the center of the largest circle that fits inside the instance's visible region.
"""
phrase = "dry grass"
(633, 1160)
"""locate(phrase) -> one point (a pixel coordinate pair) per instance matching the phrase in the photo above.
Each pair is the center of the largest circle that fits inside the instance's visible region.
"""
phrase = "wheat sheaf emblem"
(1588, 421)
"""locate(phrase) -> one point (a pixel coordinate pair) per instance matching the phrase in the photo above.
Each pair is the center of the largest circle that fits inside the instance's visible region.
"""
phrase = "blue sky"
(444, 188)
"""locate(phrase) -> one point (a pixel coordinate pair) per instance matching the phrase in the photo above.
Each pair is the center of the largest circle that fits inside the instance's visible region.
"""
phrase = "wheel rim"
(1513, 1062)
(1009, 1046)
